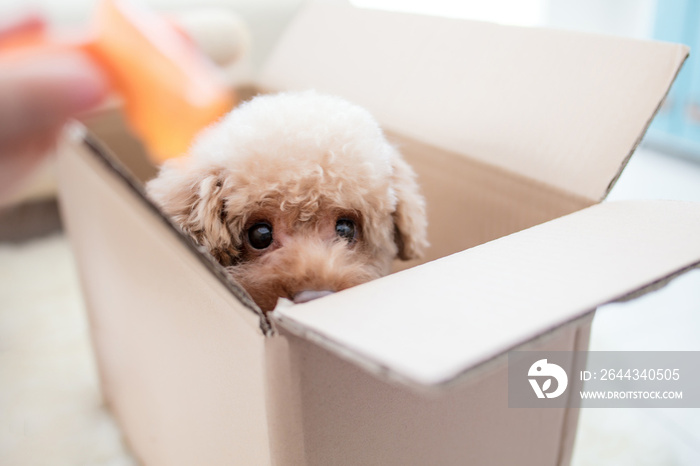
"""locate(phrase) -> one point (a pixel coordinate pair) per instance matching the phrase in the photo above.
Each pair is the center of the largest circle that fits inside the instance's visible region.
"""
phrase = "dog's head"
(298, 195)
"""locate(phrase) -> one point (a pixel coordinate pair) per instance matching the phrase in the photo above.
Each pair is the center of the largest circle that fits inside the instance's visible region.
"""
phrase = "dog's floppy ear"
(410, 219)
(194, 198)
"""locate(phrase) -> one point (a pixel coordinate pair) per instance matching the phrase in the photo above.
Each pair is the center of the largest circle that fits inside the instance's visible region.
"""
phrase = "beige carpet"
(50, 409)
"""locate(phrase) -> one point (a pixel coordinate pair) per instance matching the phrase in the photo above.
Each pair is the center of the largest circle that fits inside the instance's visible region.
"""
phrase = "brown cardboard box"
(517, 135)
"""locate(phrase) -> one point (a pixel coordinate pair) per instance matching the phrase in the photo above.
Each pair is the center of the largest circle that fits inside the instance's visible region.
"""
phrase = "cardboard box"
(517, 135)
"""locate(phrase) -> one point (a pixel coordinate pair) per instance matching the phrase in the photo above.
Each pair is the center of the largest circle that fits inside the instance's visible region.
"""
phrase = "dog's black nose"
(309, 295)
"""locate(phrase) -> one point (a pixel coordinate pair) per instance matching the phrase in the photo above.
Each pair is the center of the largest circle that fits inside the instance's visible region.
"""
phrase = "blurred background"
(50, 409)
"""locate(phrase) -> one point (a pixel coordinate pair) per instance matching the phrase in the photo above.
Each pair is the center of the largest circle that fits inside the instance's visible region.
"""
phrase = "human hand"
(37, 95)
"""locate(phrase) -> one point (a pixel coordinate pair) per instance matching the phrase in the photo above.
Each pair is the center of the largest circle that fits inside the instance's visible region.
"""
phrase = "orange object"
(170, 90)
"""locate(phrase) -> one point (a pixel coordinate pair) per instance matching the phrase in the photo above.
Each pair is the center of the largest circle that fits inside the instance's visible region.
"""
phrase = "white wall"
(632, 18)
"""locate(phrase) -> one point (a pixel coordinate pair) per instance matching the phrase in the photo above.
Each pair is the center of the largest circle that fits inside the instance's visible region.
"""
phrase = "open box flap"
(430, 324)
(566, 109)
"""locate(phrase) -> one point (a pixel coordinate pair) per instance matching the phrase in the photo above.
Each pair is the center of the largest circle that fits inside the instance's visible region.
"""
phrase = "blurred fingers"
(37, 96)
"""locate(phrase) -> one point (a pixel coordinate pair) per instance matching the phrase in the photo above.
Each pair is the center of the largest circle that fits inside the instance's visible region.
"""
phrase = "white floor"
(666, 320)
(50, 407)
(51, 414)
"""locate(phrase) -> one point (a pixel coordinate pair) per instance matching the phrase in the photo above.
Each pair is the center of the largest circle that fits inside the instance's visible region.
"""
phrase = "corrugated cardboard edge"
(654, 286)
(77, 133)
(685, 51)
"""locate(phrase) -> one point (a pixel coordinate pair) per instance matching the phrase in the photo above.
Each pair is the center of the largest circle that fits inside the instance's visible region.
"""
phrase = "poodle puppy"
(298, 195)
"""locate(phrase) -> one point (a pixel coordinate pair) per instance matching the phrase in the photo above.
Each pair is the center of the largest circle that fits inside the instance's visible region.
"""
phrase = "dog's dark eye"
(260, 235)
(345, 229)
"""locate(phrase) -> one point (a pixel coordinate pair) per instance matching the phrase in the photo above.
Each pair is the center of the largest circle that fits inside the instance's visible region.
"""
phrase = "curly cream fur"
(299, 161)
